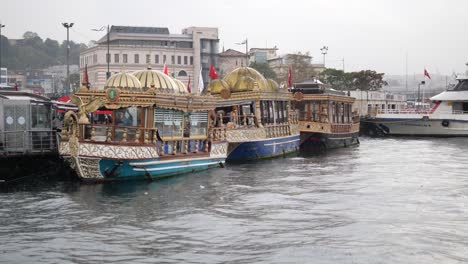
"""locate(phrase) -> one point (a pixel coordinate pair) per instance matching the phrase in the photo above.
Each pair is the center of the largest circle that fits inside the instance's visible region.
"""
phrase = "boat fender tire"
(445, 123)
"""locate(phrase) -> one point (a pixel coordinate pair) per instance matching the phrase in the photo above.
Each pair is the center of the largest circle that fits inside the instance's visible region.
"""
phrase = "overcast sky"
(368, 34)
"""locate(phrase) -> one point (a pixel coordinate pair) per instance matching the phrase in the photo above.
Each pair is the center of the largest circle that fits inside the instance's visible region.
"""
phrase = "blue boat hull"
(261, 149)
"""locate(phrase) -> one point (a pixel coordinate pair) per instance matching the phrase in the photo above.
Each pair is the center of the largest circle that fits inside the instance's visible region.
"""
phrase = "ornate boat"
(155, 129)
(253, 115)
(326, 119)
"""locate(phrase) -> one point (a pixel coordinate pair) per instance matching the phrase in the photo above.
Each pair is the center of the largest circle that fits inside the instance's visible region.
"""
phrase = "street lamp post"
(68, 26)
(108, 57)
(324, 52)
(246, 43)
(1, 26)
(419, 91)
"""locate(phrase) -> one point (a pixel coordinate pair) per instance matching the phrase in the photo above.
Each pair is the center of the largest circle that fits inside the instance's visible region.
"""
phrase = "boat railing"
(28, 141)
(277, 130)
(270, 131)
(182, 146)
(341, 128)
(404, 111)
(420, 111)
(293, 117)
(459, 112)
(120, 134)
(219, 133)
(128, 135)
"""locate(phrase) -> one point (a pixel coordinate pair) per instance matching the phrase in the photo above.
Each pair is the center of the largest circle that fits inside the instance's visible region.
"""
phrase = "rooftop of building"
(231, 53)
(140, 30)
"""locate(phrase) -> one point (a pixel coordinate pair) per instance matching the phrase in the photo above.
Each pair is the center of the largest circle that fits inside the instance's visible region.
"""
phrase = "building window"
(182, 74)
(148, 58)
(156, 59)
(137, 58)
(172, 59)
(191, 60)
(125, 58)
(185, 60)
(179, 60)
(116, 58)
(164, 58)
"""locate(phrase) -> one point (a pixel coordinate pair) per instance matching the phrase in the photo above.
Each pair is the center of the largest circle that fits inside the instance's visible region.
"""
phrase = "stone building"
(230, 60)
(135, 48)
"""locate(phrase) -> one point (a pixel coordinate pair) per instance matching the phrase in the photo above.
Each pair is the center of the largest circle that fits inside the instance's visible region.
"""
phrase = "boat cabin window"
(235, 116)
(128, 116)
(169, 122)
(274, 112)
(198, 124)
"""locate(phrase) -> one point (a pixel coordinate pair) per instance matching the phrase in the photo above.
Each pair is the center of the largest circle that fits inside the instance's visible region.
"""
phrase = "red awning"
(65, 99)
(103, 112)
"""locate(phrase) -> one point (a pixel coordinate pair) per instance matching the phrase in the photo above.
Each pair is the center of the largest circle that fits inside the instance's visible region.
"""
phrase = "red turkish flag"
(290, 84)
(188, 85)
(166, 70)
(426, 74)
(213, 73)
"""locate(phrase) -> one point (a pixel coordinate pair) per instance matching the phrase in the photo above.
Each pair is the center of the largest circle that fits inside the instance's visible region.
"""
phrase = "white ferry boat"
(447, 118)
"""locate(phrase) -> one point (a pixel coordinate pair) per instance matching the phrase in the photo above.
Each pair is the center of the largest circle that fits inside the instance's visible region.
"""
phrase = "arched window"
(182, 74)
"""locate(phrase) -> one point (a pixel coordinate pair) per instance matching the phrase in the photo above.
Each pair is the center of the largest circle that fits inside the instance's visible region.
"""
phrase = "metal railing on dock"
(28, 141)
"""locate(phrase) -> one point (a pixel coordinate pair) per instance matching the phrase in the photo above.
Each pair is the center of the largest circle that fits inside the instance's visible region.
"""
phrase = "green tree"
(338, 79)
(368, 80)
(264, 69)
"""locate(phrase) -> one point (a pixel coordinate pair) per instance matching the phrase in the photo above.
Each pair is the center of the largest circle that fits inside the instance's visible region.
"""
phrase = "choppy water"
(386, 201)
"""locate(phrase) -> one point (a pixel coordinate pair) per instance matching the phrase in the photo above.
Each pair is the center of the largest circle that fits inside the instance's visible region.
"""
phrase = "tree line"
(32, 52)
(365, 80)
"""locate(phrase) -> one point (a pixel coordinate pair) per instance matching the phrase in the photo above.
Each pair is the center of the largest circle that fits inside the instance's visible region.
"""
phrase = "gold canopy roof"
(158, 81)
(124, 81)
(216, 86)
(246, 79)
(181, 86)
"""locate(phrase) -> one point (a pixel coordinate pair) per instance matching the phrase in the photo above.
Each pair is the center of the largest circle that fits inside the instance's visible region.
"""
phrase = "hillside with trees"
(32, 52)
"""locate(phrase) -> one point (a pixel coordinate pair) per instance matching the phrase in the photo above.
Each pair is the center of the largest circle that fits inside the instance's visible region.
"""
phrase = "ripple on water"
(393, 200)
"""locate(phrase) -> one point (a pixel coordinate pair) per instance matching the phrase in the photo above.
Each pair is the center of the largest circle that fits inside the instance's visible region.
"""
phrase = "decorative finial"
(149, 67)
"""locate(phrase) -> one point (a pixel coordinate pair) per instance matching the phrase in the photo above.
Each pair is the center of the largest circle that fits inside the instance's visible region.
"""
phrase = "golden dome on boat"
(180, 86)
(272, 85)
(156, 80)
(124, 81)
(246, 79)
(216, 86)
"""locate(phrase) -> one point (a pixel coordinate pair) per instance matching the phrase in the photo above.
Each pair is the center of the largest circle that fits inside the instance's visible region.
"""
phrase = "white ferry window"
(40, 116)
(461, 86)
(198, 124)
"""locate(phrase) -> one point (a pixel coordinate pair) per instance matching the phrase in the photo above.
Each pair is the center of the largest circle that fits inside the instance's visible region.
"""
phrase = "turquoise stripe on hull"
(114, 170)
